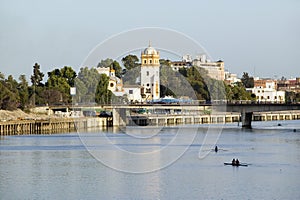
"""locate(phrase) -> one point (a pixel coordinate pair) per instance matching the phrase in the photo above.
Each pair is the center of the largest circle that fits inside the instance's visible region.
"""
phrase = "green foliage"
(198, 79)
(237, 92)
(58, 85)
(92, 87)
(105, 63)
(130, 62)
(292, 97)
(131, 76)
(37, 77)
(9, 98)
(164, 62)
(86, 83)
(103, 95)
(174, 84)
(112, 64)
(23, 89)
(247, 81)
(118, 69)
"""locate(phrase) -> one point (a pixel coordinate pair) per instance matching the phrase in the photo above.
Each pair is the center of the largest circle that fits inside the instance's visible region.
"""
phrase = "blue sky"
(258, 36)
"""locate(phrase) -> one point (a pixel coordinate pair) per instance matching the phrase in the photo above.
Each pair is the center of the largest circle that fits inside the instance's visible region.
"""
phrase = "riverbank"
(19, 123)
(6, 115)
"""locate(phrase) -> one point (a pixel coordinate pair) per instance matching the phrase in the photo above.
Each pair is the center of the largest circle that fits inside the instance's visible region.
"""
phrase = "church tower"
(150, 74)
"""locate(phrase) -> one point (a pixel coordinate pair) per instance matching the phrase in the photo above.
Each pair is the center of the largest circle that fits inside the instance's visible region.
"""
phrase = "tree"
(8, 93)
(130, 62)
(60, 80)
(112, 64)
(118, 69)
(37, 76)
(165, 62)
(105, 63)
(131, 77)
(237, 92)
(23, 91)
(69, 74)
(86, 83)
(103, 95)
(247, 80)
(37, 86)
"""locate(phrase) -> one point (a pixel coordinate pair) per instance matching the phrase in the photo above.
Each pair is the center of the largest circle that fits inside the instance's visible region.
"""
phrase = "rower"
(237, 162)
(233, 162)
(216, 149)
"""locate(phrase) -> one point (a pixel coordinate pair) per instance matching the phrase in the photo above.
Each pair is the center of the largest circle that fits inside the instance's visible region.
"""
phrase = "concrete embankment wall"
(151, 119)
(19, 127)
(280, 115)
(60, 125)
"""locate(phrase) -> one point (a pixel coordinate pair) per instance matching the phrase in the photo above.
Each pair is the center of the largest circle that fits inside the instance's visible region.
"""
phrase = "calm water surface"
(60, 167)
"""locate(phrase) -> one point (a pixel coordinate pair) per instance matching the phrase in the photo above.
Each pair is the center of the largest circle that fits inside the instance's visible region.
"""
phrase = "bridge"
(246, 109)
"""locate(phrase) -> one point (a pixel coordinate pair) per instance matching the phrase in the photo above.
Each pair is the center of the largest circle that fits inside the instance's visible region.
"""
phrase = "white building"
(103, 70)
(265, 91)
(115, 84)
(133, 93)
(150, 81)
(214, 70)
(187, 58)
(231, 78)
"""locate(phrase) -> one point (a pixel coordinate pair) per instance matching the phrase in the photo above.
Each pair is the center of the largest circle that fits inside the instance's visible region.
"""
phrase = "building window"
(145, 61)
(130, 91)
(111, 85)
(268, 97)
(147, 73)
(147, 84)
(150, 61)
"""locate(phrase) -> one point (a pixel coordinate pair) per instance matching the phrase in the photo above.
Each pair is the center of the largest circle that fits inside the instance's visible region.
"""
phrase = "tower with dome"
(150, 82)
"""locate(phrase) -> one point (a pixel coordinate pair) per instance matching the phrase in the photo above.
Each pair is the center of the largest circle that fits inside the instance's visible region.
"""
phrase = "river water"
(65, 166)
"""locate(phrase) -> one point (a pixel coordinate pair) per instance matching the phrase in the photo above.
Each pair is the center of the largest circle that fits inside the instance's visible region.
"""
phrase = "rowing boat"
(237, 165)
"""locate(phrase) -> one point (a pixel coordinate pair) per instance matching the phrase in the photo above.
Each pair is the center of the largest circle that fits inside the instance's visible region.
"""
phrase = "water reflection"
(60, 167)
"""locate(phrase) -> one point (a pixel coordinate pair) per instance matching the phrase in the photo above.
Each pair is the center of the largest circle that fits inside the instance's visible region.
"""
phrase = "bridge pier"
(246, 119)
(119, 116)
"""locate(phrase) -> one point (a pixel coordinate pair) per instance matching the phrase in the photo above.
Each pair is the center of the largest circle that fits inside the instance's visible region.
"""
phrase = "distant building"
(103, 70)
(133, 93)
(115, 84)
(176, 65)
(214, 70)
(291, 85)
(187, 58)
(265, 83)
(265, 90)
(150, 81)
(230, 78)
